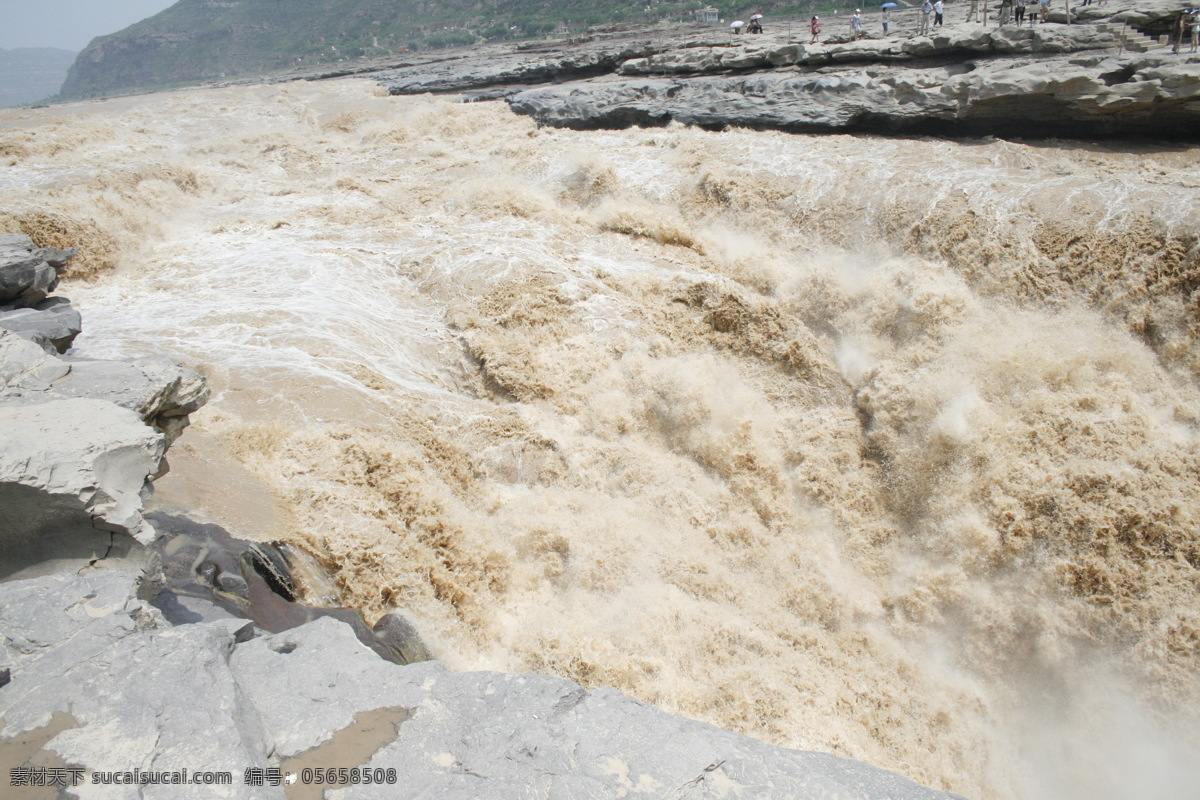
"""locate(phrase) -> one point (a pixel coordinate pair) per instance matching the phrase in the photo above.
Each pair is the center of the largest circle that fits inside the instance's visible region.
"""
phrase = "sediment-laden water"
(881, 447)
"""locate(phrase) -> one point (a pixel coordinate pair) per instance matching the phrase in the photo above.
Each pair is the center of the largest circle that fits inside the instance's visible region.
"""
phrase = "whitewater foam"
(882, 447)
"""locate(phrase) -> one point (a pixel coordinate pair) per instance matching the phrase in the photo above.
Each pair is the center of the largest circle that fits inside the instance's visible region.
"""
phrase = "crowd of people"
(1187, 27)
(932, 14)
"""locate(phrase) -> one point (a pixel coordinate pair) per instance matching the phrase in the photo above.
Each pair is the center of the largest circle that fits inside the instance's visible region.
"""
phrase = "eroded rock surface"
(1092, 78)
(80, 443)
(73, 473)
(1092, 96)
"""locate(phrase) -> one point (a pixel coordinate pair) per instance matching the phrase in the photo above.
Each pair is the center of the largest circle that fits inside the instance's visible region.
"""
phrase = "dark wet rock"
(25, 277)
(52, 324)
(55, 257)
(28, 281)
(398, 634)
(28, 274)
(269, 564)
(199, 572)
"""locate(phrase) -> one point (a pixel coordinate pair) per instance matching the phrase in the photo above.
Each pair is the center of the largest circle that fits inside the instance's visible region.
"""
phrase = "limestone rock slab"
(74, 462)
(1090, 96)
(162, 392)
(485, 735)
(26, 367)
(139, 694)
(142, 694)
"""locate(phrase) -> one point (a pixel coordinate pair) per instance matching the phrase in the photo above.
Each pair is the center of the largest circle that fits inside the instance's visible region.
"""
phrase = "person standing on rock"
(1019, 12)
(926, 10)
(815, 27)
(973, 14)
(1005, 12)
(885, 21)
(1195, 33)
(1177, 34)
(939, 11)
(856, 25)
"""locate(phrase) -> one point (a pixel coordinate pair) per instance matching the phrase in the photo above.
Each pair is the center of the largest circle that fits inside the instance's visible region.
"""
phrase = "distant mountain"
(29, 74)
(205, 40)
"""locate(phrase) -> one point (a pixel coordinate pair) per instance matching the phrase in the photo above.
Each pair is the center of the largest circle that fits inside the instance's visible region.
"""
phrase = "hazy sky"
(69, 24)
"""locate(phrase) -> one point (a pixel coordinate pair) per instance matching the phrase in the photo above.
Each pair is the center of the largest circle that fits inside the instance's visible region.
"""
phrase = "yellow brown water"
(353, 745)
(880, 447)
(28, 753)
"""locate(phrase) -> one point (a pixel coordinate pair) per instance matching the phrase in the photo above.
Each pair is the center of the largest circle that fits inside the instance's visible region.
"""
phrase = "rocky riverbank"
(151, 643)
(1097, 76)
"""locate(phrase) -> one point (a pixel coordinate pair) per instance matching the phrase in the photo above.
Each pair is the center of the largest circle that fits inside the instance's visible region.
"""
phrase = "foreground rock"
(205, 696)
(52, 324)
(161, 392)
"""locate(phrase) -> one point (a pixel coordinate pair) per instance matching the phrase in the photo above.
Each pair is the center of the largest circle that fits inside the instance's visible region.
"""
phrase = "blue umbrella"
(888, 5)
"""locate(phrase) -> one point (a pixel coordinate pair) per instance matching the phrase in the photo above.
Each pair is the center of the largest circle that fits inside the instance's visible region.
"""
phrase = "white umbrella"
(756, 16)
(736, 24)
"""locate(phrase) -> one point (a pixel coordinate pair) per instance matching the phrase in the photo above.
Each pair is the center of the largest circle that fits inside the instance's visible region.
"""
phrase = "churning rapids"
(888, 448)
